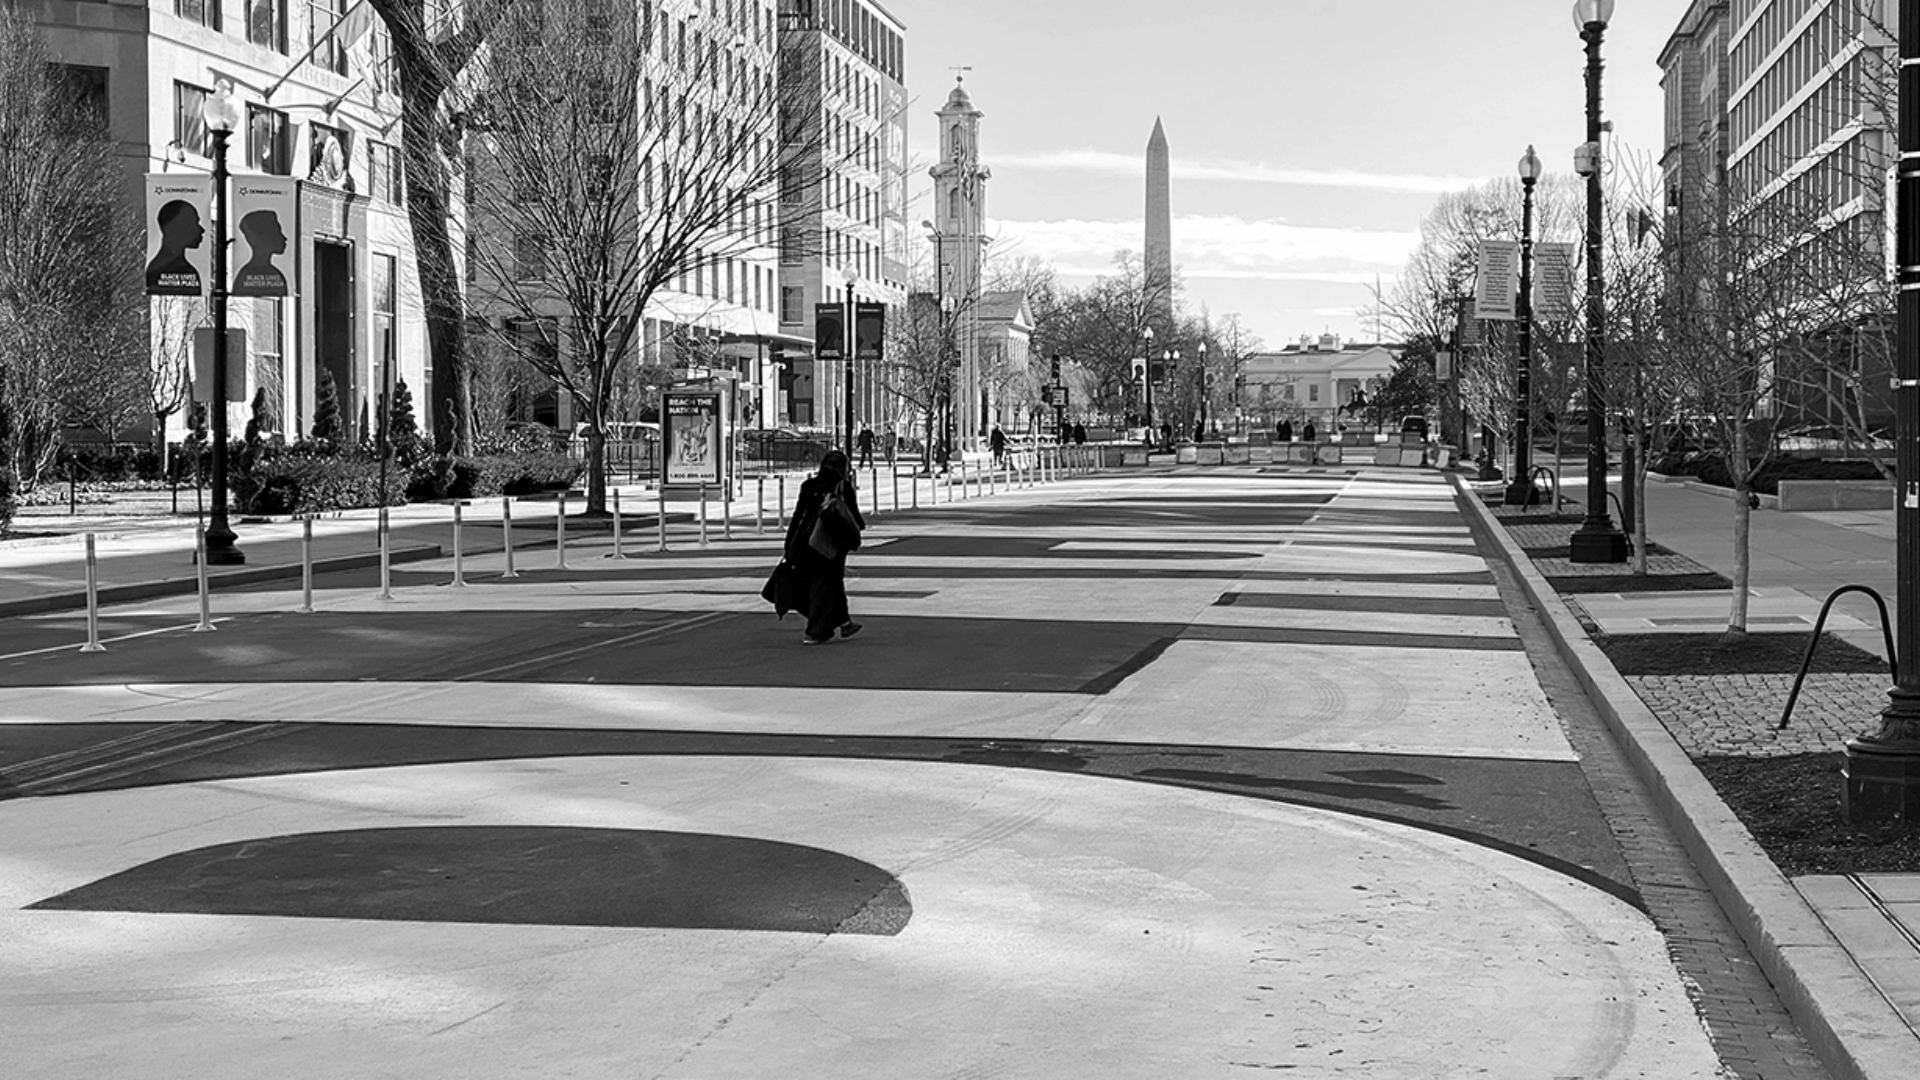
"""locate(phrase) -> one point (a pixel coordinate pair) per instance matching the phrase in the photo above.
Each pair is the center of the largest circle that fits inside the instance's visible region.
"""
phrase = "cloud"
(1244, 172)
(1216, 247)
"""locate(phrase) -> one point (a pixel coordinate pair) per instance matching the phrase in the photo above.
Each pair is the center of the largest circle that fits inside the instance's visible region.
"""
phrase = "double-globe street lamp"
(1168, 360)
(1206, 391)
(1597, 540)
(221, 114)
(1520, 484)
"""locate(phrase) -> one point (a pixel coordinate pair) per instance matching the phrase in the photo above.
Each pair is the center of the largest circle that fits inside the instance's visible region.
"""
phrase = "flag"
(354, 24)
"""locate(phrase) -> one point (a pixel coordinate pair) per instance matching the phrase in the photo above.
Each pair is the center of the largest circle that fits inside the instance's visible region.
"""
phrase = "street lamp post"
(221, 115)
(1597, 540)
(1520, 484)
(1169, 359)
(1146, 376)
(1881, 771)
(1206, 391)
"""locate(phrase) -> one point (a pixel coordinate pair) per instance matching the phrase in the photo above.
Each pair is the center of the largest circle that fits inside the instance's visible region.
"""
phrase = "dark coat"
(823, 581)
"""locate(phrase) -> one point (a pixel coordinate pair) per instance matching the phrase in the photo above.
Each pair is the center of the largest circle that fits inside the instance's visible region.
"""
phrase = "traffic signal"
(829, 332)
(1056, 369)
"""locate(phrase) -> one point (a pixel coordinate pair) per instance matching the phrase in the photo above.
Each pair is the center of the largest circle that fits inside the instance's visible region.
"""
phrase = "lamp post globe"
(221, 114)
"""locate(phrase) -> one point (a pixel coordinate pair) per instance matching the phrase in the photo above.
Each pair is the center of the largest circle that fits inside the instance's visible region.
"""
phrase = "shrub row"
(303, 482)
(1712, 469)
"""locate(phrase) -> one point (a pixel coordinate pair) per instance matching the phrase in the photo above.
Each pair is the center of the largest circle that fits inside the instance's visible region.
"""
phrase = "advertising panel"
(1553, 282)
(693, 433)
(263, 220)
(177, 223)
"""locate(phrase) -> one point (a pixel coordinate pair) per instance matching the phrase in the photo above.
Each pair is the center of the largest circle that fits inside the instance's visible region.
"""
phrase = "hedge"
(1712, 469)
(306, 480)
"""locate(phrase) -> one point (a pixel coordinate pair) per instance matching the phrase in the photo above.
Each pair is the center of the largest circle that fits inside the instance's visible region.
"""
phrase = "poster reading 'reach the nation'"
(692, 436)
(177, 226)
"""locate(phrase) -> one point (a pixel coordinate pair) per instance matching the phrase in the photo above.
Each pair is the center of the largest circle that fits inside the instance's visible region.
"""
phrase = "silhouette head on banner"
(180, 231)
(265, 239)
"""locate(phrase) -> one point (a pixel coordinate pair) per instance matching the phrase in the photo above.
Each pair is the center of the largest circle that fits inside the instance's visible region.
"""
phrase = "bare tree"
(608, 167)
(68, 260)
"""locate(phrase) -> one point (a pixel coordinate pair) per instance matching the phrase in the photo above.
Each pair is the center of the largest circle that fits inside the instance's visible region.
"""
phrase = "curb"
(147, 590)
(1847, 1021)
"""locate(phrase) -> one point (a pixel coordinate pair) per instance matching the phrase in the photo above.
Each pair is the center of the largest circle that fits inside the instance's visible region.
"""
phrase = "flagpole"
(344, 19)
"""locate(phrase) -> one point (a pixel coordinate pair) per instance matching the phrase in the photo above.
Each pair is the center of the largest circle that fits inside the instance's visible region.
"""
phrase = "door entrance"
(333, 330)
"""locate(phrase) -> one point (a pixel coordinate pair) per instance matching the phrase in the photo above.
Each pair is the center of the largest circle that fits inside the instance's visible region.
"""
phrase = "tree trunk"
(1742, 529)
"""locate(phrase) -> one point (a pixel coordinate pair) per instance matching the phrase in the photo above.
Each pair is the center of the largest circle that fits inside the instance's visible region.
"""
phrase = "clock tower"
(960, 243)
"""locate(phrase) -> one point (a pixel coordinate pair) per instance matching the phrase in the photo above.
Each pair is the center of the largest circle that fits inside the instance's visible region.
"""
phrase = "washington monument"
(1158, 263)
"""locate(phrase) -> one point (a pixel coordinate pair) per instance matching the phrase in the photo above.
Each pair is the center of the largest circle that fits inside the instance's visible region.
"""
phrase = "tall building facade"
(316, 92)
(960, 249)
(1693, 65)
(843, 199)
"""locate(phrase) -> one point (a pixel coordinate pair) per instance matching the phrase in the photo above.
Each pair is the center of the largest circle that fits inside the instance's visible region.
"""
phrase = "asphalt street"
(1171, 774)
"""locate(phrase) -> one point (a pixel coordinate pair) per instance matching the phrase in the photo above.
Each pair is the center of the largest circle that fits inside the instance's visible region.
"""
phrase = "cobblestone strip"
(1736, 714)
(1751, 1030)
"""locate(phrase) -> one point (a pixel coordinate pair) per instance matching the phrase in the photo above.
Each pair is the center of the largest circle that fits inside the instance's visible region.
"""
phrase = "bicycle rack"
(1553, 478)
(1625, 525)
(1886, 628)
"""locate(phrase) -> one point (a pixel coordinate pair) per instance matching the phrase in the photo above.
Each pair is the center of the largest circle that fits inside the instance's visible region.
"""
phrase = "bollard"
(93, 603)
(726, 510)
(663, 513)
(760, 506)
(200, 558)
(306, 566)
(873, 485)
(913, 484)
(386, 559)
(993, 480)
(703, 515)
(780, 508)
(617, 553)
(896, 491)
(506, 535)
(560, 535)
(459, 571)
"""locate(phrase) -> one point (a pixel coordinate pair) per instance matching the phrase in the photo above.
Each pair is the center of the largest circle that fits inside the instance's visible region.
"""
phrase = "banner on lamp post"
(178, 221)
(1497, 286)
(263, 220)
(1553, 282)
(203, 364)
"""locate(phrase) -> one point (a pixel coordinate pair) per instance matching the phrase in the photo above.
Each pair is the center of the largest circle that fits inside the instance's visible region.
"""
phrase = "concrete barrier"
(1328, 454)
(1130, 456)
(1186, 454)
(1299, 454)
(1239, 455)
(1210, 454)
(1386, 454)
(1836, 495)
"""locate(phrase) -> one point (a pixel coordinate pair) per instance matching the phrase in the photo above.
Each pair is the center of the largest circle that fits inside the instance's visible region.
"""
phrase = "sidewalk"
(1844, 951)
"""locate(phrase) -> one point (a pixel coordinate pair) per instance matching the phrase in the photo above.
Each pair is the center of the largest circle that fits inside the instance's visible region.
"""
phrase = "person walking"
(828, 493)
(1284, 431)
(998, 441)
(1307, 432)
(1166, 436)
(865, 442)
(1079, 433)
(1199, 431)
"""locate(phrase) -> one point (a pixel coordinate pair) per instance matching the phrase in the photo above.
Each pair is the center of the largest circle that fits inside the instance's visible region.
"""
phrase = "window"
(204, 12)
(1313, 392)
(792, 300)
(322, 17)
(380, 64)
(385, 276)
(529, 255)
(330, 156)
(82, 89)
(385, 172)
(269, 331)
(189, 123)
(269, 148)
(267, 24)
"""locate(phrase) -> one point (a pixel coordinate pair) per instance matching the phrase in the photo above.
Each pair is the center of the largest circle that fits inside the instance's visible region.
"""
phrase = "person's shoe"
(811, 640)
(849, 630)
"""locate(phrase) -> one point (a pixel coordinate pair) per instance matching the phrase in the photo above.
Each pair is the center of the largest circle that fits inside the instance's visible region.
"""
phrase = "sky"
(1309, 137)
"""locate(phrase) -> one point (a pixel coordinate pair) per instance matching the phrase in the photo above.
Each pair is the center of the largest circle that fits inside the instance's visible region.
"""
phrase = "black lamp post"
(1146, 376)
(1597, 540)
(220, 114)
(1168, 360)
(1881, 772)
(1206, 391)
(1520, 484)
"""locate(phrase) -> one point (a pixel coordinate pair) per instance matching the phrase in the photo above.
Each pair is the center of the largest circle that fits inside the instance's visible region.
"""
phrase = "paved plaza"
(1170, 774)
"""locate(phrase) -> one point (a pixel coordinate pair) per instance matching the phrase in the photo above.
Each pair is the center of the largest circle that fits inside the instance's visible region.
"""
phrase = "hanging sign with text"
(263, 222)
(1497, 287)
(1552, 282)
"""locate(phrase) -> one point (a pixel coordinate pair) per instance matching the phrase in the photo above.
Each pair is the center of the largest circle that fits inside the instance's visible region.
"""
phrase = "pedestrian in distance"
(1284, 431)
(998, 441)
(1307, 432)
(825, 528)
(865, 442)
(1166, 435)
(890, 444)
(1079, 434)
(1199, 431)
